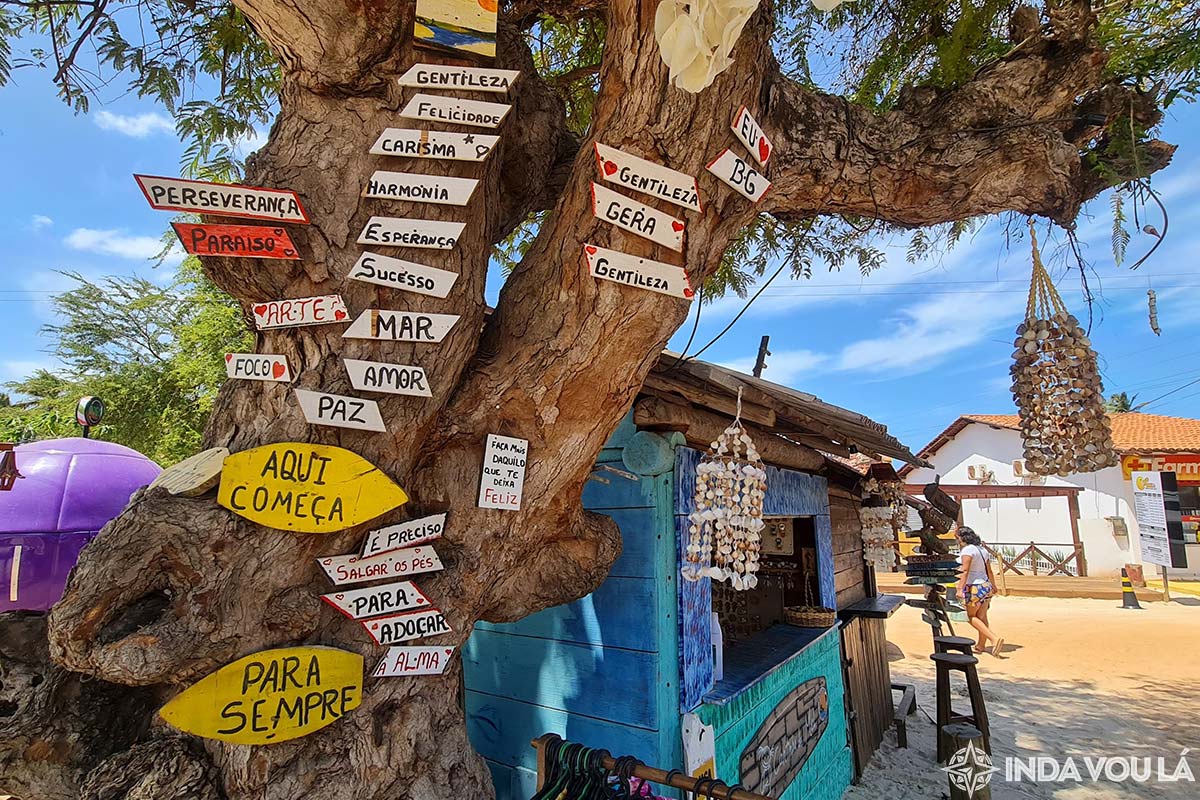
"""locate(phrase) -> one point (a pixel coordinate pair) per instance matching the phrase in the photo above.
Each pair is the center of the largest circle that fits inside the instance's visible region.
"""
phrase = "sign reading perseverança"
(221, 199)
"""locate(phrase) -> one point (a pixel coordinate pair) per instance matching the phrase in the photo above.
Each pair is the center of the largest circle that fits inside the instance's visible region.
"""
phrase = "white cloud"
(113, 243)
(139, 126)
(246, 145)
(783, 366)
(39, 221)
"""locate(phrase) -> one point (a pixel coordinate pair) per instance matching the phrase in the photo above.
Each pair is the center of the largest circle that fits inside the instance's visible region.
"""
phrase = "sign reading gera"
(643, 273)
(503, 479)
(349, 569)
(416, 143)
(405, 275)
(271, 696)
(735, 172)
(400, 326)
(401, 662)
(623, 169)
(429, 234)
(374, 376)
(751, 135)
(635, 217)
(475, 79)
(407, 626)
(299, 311)
(257, 367)
(404, 534)
(221, 199)
(439, 108)
(340, 411)
(238, 241)
(374, 601)
(419, 187)
(309, 488)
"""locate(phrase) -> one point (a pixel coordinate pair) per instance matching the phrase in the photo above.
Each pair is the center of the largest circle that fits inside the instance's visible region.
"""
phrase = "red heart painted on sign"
(688, 293)
(228, 357)
(677, 226)
(591, 250)
(764, 149)
(277, 370)
(609, 168)
(449, 650)
(289, 253)
(375, 627)
(260, 310)
(339, 315)
(277, 231)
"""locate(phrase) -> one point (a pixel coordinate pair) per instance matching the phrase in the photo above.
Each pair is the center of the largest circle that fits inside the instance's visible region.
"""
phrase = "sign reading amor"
(439, 108)
(310, 488)
(477, 79)
(340, 411)
(400, 326)
(257, 367)
(398, 232)
(420, 188)
(405, 275)
(374, 376)
(400, 662)
(271, 696)
(237, 241)
(785, 739)
(503, 472)
(414, 143)
(738, 174)
(407, 626)
(639, 218)
(751, 135)
(299, 311)
(643, 273)
(376, 600)
(404, 534)
(343, 570)
(221, 199)
(644, 176)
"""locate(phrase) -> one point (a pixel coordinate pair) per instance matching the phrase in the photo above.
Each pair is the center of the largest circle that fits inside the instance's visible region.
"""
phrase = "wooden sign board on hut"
(401, 662)
(439, 108)
(404, 534)
(627, 213)
(776, 753)
(221, 199)
(271, 696)
(407, 276)
(407, 626)
(299, 311)
(415, 143)
(340, 411)
(351, 569)
(464, 79)
(374, 601)
(236, 241)
(503, 479)
(309, 488)
(462, 26)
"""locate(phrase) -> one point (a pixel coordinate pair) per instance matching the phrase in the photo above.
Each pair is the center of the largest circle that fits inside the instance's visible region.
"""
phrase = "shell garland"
(881, 519)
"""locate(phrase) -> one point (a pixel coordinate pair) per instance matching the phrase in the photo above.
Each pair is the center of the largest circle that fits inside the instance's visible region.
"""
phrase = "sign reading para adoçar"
(503, 479)
(237, 241)
(221, 199)
(400, 662)
(407, 626)
(404, 534)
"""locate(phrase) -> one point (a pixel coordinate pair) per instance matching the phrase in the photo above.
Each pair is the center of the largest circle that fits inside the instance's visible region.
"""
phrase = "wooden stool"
(956, 644)
(945, 663)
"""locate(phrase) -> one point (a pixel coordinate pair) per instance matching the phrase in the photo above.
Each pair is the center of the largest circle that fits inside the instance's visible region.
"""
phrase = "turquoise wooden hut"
(633, 667)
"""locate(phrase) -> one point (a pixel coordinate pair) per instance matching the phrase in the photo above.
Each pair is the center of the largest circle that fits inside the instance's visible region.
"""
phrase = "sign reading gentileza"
(643, 273)
(617, 166)
(416, 143)
(310, 488)
(221, 199)
(738, 174)
(237, 241)
(271, 696)
(441, 76)
(785, 739)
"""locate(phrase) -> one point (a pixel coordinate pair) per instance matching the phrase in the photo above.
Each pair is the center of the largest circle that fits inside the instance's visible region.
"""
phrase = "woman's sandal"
(998, 648)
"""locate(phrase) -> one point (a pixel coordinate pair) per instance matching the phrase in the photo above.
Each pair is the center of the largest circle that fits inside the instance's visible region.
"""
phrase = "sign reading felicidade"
(405, 275)
(299, 311)
(404, 534)
(736, 173)
(751, 135)
(643, 273)
(400, 326)
(475, 79)
(418, 187)
(343, 570)
(503, 477)
(399, 232)
(221, 199)
(647, 177)
(407, 626)
(271, 696)
(1160, 525)
(238, 241)
(374, 376)
(257, 367)
(310, 488)
(374, 601)
(635, 217)
(340, 411)
(415, 143)
(400, 662)
(439, 108)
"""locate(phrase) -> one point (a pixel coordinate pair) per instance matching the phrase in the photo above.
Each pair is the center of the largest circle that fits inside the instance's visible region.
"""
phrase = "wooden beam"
(988, 491)
(1080, 559)
(697, 394)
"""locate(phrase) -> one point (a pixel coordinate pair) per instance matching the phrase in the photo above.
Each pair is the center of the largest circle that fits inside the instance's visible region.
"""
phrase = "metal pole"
(761, 362)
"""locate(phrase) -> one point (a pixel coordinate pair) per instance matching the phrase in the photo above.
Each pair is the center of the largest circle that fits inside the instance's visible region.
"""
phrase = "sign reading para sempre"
(739, 175)
(751, 134)
(503, 479)
(400, 326)
(221, 199)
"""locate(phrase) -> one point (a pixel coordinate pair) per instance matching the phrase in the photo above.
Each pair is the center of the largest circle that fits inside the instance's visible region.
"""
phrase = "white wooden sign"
(404, 534)
(375, 601)
(405, 275)
(400, 662)
(643, 273)
(299, 311)
(349, 569)
(399, 232)
(738, 174)
(623, 169)
(420, 188)
(257, 367)
(503, 478)
(414, 143)
(635, 217)
(400, 326)
(407, 626)
(439, 108)
(221, 199)
(340, 411)
(751, 135)
(375, 376)
(471, 79)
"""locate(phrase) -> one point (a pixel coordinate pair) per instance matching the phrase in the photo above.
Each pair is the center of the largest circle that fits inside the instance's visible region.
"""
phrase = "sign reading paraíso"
(643, 273)
(237, 241)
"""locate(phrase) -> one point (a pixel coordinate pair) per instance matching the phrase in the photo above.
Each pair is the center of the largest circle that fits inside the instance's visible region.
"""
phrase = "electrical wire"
(695, 326)
(1140, 406)
(733, 321)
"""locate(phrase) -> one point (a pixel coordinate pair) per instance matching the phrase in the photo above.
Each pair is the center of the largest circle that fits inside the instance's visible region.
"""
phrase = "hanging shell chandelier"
(882, 514)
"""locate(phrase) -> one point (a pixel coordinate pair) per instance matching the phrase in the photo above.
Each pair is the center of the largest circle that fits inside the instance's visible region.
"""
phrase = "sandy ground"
(1077, 678)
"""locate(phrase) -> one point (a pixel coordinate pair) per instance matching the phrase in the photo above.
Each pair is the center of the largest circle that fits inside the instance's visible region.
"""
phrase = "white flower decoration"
(696, 37)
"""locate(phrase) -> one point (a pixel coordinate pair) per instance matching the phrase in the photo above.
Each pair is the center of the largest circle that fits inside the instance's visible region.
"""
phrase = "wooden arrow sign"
(751, 135)
(439, 108)
(374, 376)
(399, 232)
(407, 626)
(738, 174)
(643, 273)
(221, 199)
(299, 311)
(635, 217)
(400, 326)
(195, 475)
(350, 569)
(340, 411)
(408, 276)
(623, 169)
(414, 143)
(467, 79)
(271, 696)
(374, 601)
(257, 367)
(404, 534)
(403, 662)
(309, 488)
(237, 241)
(418, 187)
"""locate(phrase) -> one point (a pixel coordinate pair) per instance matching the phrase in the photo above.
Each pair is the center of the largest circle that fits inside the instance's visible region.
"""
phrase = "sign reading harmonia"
(419, 187)
(374, 601)
(309, 488)
(270, 696)
(623, 169)
(221, 199)
(340, 411)
(349, 569)
(257, 367)
(751, 135)
(407, 276)
(474, 79)
(635, 217)
(739, 175)
(414, 143)
(404, 534)
(400, 662)
(503, 479)
(237, 241)
(439, 108)
(643, 273)
(407, 626)
(299, 311)
(400, 326)
(399, 232)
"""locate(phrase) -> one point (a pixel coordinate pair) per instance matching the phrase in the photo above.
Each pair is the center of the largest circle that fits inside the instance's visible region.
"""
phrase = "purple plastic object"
(71, 488)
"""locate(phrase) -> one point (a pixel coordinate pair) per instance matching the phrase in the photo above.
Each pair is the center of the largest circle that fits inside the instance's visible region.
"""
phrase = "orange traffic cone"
(1128, 598)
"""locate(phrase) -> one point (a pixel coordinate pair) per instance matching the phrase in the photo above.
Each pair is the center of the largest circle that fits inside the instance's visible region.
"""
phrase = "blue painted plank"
(667, 611)
(686, 460)
(502, 780)
(619, 492)
(795, 494)
(825, 570)
(606, 683)
(695, 632)
(639, 541)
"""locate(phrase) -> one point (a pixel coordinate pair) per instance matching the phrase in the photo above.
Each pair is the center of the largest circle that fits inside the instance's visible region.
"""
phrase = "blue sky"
(910, 345)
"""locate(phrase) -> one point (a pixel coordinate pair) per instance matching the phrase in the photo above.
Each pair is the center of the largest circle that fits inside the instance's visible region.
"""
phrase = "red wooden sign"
(243, 241)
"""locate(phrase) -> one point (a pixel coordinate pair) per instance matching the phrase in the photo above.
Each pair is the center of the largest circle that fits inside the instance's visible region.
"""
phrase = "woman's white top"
(977, 572)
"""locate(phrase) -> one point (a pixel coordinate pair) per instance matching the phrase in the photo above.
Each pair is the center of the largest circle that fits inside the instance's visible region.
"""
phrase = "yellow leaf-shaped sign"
(270, 696)
(310, 488)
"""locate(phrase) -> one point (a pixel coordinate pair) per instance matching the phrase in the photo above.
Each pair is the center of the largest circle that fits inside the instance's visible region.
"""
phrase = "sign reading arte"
(420, 188)
(221, 199)
(786, 738)
(415, 143)
(503, 478)
(400, 662)
(237, 241)
(635, 217)
(340, 411)
(407, 626)
(644, 176)
(738, 174)
(299, 311)
(310, 488)
(376, 600)
(439, 108)
(349, 569)
(400, 326)
(405, 275)
(424, 233)
(374, 376)
(404, 534)
(643, 273)
(271, 696)
(257, 367)
(1160, 523)
(441, 76)
(751, 135)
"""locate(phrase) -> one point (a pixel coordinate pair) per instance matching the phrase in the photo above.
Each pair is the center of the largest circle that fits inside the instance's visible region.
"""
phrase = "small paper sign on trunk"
(643, 273)
(400, 326)
(623, 169)
(418, 187)
(736, 172)
(403, 662)
(374, 601)
(221, 199)
(408, 626)
(374, 376)
(399, 232)
(439, 108)
(237, 241)
(404, 534)
(503, 479)
(635, 217)
(468, 79)
(415, 143)
(340, 411)
(257, 367)
(751, 135)
(350, 569)
(299, 311)
(407, 276)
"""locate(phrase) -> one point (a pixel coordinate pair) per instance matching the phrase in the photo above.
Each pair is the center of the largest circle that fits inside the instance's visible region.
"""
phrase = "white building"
(982, 455)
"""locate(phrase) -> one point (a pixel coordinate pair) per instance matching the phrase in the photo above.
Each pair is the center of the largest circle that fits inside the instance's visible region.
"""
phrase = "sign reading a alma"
(309, 488)
(403, 661)
(221, 199)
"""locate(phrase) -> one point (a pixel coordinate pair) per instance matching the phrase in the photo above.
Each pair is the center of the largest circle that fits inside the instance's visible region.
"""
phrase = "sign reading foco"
(237, 241)
(735, 172)
(405, 275)
(299, 311)
(428, 234)
(221, 199)
(374, 601)
(407, 626)
(373, 376)
(751, 135)
(635, 217)
(257, 367)
(400, 326)
(420, 188)
(477, 79)
(623, 169)
(404, 534)
(400, 662)
(271, 696)
(348, 569)
(643, 273)
(785, 739)
(415, 143)
(340, 411)
(503, 479)
(438, 108)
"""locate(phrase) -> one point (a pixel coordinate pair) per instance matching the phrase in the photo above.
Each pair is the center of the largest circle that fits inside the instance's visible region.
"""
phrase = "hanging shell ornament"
(695, 38)
(882, 514)
(724, 528)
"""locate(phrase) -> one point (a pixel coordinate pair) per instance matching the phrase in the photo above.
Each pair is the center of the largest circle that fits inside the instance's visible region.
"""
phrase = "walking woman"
(976, 587)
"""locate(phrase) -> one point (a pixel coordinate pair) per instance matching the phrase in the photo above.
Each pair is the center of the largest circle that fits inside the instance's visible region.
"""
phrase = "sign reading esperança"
(221, 199)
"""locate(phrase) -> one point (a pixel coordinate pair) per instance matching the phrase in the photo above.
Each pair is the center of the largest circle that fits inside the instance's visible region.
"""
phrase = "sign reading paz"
(643, 273)
(503, 472)
(221, 199)
(475, 79)
(310, 488)
(398, 232)
(400, 326)
(407, 626)
(751, 135)
(639, 218)
(238, 241)
(376, 600)
(271, 696)
(413, 143)
(420, 188)
(438, 108)
(647, 177)
(340, 411)
(343, 570)
(738, 174)
(404, 534)
(405, 275)
(299, 311)
(257, 367)
(400, 662)
(373, 376)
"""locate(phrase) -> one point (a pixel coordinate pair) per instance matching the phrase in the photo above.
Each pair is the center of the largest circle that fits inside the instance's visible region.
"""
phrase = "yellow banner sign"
(269, 697)
(1186, 466)
(309, 488)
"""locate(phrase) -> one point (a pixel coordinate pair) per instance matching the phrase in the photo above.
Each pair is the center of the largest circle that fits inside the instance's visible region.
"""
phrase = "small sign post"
(237, 241)
(617, 166)
(1160, 523)
(656, 276)
(402, 662)
(427, 234)
(440, 108)
(636, 217)
(400, 326)
(503, 479)
(375, 601)
(340, 411)
(404, 534)
(407, 276)
(258, 367)
(417, 143)
(466, 79)
(407, 626)
(299, 311)
(221, 199)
